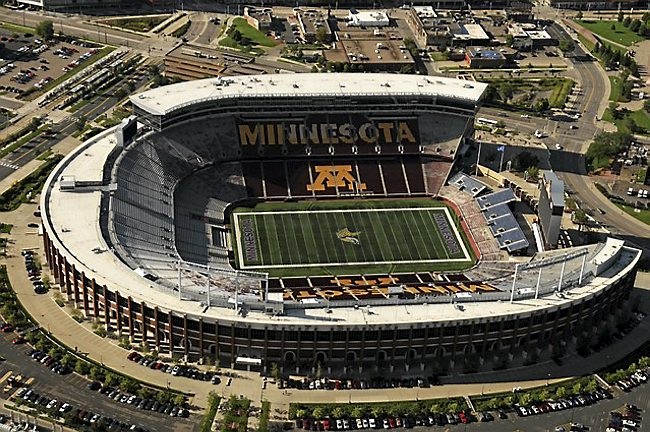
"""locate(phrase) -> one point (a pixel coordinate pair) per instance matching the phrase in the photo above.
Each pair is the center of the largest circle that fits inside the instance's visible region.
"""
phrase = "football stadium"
(304, 219)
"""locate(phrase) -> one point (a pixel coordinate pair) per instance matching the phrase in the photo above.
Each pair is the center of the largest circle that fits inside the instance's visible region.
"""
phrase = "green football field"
(374, 235)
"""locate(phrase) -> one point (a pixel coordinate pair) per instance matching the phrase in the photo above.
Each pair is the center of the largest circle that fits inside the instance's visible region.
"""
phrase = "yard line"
(295, 241)
(369, 241)
(377, 225)
(397, 241)
(318, 234)
(308, 234)
(258, 238)
(280, 256)
(428, 235)
(410, 240)
(439, 234)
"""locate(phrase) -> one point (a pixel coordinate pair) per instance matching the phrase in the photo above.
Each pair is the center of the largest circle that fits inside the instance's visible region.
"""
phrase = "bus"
(486, 122)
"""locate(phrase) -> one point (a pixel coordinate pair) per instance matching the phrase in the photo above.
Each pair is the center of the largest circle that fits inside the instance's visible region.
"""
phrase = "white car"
(52, 404)
(630, 423)
(525, 116)
(558, 147)
(372, 423)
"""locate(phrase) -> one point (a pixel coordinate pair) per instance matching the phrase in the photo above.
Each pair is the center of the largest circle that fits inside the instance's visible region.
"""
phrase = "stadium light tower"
(514, 282)
(179, 279)
(208, 275)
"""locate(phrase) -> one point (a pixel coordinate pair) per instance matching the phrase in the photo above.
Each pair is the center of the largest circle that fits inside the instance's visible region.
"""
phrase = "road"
(73, 25)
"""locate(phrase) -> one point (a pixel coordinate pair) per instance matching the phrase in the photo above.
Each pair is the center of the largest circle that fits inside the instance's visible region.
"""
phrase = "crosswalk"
(13, 167)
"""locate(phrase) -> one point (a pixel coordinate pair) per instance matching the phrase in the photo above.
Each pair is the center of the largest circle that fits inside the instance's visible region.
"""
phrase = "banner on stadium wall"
(328, 130)
(349, 289)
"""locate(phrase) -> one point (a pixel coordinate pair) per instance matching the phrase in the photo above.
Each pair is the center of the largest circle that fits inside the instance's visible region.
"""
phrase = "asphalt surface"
(72, 388)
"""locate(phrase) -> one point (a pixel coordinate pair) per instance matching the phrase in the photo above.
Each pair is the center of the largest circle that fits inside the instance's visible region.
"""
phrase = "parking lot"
(74, 390)
(27, 63)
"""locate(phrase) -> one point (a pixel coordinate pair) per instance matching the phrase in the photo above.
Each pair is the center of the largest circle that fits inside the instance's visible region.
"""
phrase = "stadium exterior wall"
(537, 334)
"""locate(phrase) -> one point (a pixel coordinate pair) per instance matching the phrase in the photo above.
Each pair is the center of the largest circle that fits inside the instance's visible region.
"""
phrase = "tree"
(129, 385)
(319, 412)
(627, 21)
(524, 160)
(643, 29)
(82, 368)
(560, 392)
(533, 173)
(509, 39)
(321, 35)
(338, 412)
(567, 45)
(110, 379)
(579, 15)
(613, 27)
(634, 25)
(411, 46)
(505, 91)
(45, 29)
(619, 18)
(275, 371)
(96, 373)
(81, 123)
(178, 399)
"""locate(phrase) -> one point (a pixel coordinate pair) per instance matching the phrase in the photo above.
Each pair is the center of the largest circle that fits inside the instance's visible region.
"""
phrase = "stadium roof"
(163, 100)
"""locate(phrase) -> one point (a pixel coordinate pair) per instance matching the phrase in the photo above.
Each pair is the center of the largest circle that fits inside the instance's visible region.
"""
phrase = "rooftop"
(164, 100)
(471, 32)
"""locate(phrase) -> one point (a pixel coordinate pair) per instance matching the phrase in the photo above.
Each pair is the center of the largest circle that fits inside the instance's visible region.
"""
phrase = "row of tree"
(614, 58)
(638, 26)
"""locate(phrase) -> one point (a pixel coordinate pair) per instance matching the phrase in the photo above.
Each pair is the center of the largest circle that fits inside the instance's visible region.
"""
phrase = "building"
(484, 58)
(137, 261)
(313, 26)
(430, 27)
(551, 207)
(470, 35)
(526, 36)
(371, 55)
(189, 62)
(259, 18)
(373, 18)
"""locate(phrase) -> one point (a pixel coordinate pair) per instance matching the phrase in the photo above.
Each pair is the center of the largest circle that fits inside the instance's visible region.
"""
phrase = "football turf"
(374, 234)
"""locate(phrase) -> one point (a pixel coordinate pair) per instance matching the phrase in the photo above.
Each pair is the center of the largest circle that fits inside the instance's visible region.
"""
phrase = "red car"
(463, 418)
(18, 340)
(6, 327)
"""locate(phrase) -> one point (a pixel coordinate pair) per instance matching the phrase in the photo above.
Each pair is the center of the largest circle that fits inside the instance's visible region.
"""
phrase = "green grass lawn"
(343, 235)
(142, 24)
(617, 88)
(640, 117)
(642, 215)
(620, 34)
(256, 37)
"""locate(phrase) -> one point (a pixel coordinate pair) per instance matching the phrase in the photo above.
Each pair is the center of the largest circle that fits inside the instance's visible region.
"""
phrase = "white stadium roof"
(163, 100)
